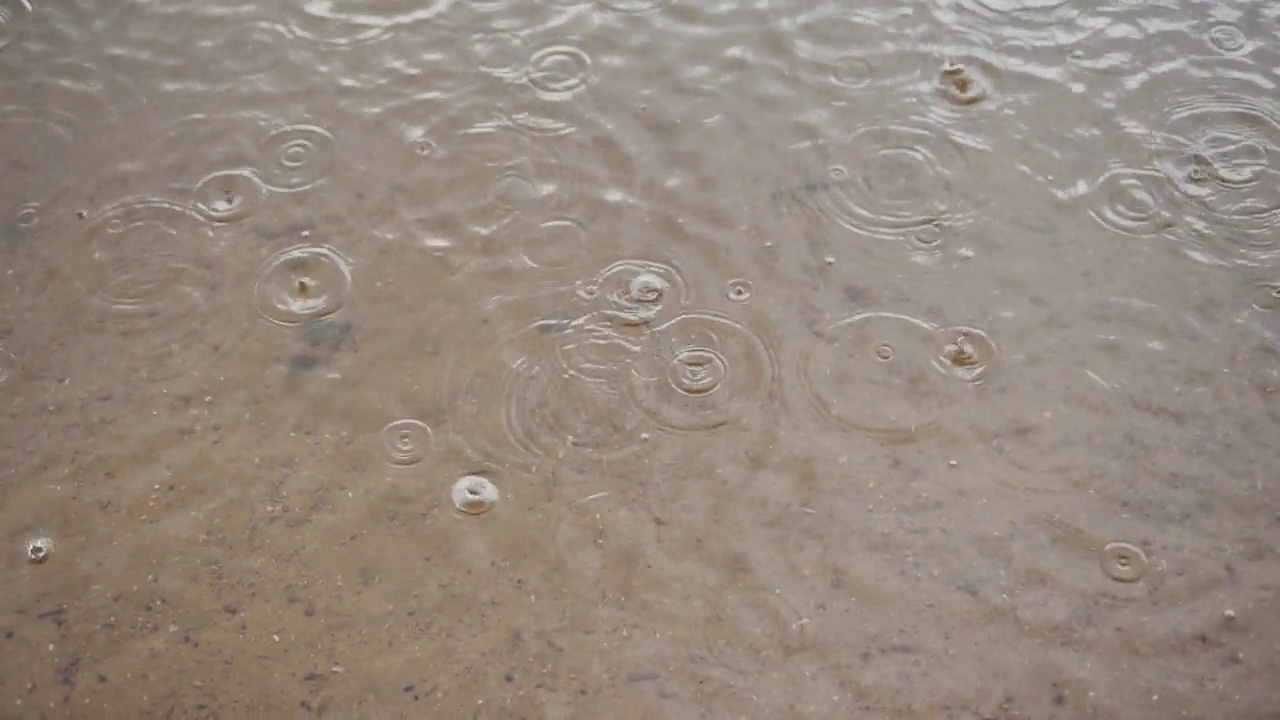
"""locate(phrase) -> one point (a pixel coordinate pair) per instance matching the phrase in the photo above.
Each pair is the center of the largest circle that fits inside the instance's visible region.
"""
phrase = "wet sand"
(640, 359)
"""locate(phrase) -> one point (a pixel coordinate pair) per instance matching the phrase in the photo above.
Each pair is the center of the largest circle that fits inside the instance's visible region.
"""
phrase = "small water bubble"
(302, 284)
(474, 494)
(884, 351)
(647, 288)
(38, 549)
(406, 442)
(739, 291)
(1124, 562)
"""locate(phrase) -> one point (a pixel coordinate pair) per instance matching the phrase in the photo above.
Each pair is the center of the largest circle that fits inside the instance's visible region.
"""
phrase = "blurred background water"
(640, 359)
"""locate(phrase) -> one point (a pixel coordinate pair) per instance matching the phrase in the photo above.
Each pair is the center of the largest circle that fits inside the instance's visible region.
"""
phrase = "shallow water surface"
(640, 359)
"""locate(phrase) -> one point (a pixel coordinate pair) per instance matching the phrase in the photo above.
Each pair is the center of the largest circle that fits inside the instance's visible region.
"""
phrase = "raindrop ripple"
(302, 284)
(406, 442)
(891, 376)
(702, 371)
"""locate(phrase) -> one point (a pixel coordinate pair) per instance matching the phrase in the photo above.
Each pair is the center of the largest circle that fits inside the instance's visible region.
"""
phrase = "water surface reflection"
(640, 358)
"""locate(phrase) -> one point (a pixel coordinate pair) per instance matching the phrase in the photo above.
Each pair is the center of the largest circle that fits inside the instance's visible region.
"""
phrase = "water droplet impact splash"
(474, 495)
(228, 196)
(966, 353)
(406, 442)
(965, 82)
(1124, 562)
(302, 284)
(636, 292)
(1219, 154)
(37, 550)
(739, 291)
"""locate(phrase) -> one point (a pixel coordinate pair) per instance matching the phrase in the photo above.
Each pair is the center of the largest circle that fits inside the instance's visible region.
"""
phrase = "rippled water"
(640, 359)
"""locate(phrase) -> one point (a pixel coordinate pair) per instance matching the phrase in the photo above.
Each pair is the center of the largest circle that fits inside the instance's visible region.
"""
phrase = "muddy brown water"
(640, 359)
